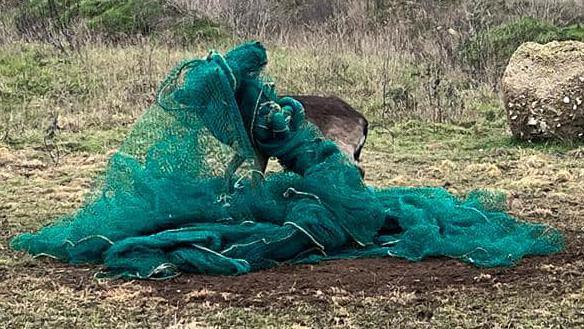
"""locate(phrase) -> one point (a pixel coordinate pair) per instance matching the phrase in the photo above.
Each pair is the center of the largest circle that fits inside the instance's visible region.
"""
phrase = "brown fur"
(338, 121)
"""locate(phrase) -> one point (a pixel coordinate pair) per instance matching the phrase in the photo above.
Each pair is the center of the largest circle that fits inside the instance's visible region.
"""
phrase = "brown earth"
(278, 287)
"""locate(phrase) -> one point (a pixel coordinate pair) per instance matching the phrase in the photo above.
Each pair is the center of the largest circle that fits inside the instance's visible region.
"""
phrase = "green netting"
(182, 195)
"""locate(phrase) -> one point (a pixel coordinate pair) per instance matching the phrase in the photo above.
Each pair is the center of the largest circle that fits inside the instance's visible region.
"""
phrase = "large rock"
(543, 90)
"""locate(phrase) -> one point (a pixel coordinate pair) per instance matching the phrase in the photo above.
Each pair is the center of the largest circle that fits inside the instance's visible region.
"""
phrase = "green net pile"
(182, 193)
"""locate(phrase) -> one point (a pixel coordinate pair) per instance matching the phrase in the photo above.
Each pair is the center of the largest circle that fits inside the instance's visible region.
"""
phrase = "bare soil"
(280, 286)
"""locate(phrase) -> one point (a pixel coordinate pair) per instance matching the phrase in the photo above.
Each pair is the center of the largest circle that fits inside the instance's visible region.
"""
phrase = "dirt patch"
(281, 286)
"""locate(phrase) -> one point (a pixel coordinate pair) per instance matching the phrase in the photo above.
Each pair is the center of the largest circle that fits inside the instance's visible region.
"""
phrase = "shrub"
(491, 49)
(192, 29)
(43, 14)
(114, 18)
(123, 16)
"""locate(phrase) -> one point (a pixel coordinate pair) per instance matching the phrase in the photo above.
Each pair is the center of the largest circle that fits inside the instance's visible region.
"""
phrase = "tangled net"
(181, 194)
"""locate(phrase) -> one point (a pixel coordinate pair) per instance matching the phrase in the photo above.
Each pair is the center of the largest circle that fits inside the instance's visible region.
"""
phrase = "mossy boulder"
(543, 90)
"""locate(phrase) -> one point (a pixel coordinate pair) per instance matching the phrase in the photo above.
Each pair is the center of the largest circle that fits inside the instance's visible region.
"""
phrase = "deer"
(338, 121)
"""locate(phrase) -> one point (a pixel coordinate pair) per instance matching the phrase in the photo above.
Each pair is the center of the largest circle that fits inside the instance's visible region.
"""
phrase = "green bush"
(123, 16)
(189, 30)
(574, 32)
(44, 14)
(491, 49)
(116, 17)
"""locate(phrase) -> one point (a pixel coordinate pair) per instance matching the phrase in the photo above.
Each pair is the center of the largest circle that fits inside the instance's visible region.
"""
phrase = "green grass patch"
(92, 141)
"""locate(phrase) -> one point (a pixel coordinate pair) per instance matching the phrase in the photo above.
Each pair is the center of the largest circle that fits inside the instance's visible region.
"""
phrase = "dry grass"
(103, 88)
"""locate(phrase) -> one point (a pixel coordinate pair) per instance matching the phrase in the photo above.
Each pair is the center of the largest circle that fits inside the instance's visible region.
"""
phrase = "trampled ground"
(544, 183)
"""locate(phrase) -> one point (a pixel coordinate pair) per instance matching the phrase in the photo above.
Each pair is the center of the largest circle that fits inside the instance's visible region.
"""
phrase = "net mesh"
(182, 194)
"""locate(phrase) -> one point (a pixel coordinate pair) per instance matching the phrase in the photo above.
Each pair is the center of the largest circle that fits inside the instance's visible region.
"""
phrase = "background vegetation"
(396, 60)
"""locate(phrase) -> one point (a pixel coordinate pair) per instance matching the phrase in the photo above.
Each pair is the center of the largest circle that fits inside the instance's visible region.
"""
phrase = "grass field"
(94, 95)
